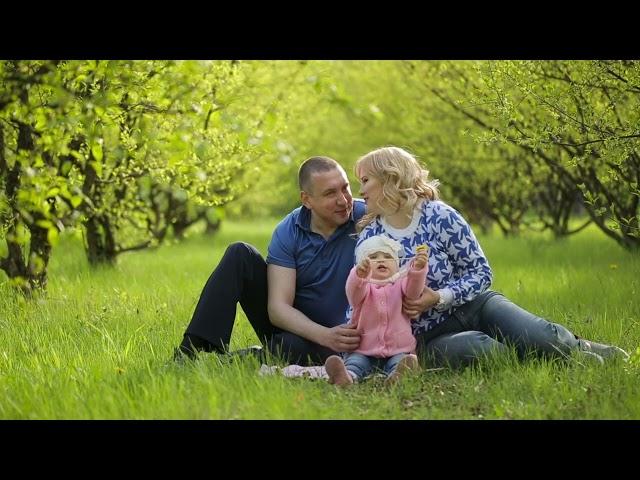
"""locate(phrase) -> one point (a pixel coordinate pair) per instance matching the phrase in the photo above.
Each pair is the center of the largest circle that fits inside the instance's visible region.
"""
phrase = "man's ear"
(304, 199)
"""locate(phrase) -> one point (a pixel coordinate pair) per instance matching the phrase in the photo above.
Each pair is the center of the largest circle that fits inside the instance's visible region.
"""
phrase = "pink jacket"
(377, 313)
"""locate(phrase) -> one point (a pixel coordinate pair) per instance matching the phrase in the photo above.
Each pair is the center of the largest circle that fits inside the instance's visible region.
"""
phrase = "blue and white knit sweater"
(457, 265)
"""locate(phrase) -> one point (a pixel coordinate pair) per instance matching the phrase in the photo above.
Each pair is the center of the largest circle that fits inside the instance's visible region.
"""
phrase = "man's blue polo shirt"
(322, 266)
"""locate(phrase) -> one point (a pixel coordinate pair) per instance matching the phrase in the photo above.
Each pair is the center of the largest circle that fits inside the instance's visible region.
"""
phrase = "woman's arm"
(472, 274)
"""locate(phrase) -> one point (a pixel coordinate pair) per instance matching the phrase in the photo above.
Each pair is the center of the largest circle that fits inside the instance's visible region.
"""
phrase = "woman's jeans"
(360, 365)
(488, 324)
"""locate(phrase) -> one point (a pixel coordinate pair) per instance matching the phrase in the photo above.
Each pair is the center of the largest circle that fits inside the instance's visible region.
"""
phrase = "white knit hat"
(378, 243)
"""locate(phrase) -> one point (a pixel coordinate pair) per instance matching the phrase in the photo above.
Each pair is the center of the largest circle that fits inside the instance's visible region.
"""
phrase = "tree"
(578, 120)
(37, 200)
(125, 150)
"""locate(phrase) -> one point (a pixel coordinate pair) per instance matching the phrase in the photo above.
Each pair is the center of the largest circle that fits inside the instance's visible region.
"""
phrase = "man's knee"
(241, 249)
(241, 253)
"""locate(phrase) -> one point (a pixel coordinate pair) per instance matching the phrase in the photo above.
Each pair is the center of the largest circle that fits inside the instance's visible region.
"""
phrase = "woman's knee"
(552, 339)
(461, 349)
(527, 331)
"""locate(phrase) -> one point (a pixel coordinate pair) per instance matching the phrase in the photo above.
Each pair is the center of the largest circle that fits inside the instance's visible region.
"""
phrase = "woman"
(460, 319)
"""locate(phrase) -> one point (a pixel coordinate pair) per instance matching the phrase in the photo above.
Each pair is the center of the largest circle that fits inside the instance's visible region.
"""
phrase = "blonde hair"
(403, 179)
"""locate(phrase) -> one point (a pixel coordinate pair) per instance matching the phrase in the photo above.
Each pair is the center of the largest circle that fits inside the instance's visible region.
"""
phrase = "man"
(300, 315)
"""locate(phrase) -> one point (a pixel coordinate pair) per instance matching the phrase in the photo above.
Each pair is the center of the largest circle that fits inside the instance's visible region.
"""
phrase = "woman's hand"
(413, 308)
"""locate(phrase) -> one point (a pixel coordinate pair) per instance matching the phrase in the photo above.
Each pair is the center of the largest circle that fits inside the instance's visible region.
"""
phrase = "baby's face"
(383, 265)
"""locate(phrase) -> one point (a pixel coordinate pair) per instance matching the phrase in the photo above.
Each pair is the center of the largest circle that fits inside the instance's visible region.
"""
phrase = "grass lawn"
(99, 345)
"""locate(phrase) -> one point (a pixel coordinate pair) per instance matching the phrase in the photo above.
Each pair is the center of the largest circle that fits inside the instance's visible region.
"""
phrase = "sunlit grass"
(99, 344)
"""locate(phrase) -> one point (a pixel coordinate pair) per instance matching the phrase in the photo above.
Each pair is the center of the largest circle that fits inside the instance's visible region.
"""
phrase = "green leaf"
(76, 200)
(96, 151)
(97, 166)
(52, 236)
(65, 168)
(36, 263)
(45, 224)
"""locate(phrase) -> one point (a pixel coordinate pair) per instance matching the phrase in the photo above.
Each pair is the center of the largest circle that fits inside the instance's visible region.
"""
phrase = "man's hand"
(343, 338)
(363, 268)
(420, 260)
(413, 308)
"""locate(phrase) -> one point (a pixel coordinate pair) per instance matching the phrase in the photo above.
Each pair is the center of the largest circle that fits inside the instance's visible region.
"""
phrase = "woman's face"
(370, 190)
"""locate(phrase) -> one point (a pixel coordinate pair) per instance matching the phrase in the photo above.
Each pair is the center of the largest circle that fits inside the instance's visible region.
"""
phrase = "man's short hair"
(314, 165)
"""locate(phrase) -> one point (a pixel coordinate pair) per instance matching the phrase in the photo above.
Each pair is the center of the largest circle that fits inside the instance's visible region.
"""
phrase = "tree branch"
(600, 140)
(141, 246)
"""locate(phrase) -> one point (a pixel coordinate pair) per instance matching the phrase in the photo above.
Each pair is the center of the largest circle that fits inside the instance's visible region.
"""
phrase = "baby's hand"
(420, 261)
(362, 270)
(421, 258)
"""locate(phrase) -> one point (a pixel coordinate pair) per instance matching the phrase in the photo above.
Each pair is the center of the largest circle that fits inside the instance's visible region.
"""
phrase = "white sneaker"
(590, 357)
(605, 351)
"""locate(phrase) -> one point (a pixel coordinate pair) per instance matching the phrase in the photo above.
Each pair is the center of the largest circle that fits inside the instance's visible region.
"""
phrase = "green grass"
(98, 345)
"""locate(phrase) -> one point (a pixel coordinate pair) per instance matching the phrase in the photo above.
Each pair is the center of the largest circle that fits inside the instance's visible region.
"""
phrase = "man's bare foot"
(338, 374)
(408, 363)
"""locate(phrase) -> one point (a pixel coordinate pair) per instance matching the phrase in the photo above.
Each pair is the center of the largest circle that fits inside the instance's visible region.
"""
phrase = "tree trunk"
(40, 253)
(100, 242)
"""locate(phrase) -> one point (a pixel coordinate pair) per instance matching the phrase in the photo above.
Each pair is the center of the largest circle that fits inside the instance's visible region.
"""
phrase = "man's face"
(329, 198)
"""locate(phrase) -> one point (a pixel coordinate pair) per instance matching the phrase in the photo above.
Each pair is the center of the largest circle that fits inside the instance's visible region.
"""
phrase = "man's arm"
(282, 289)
